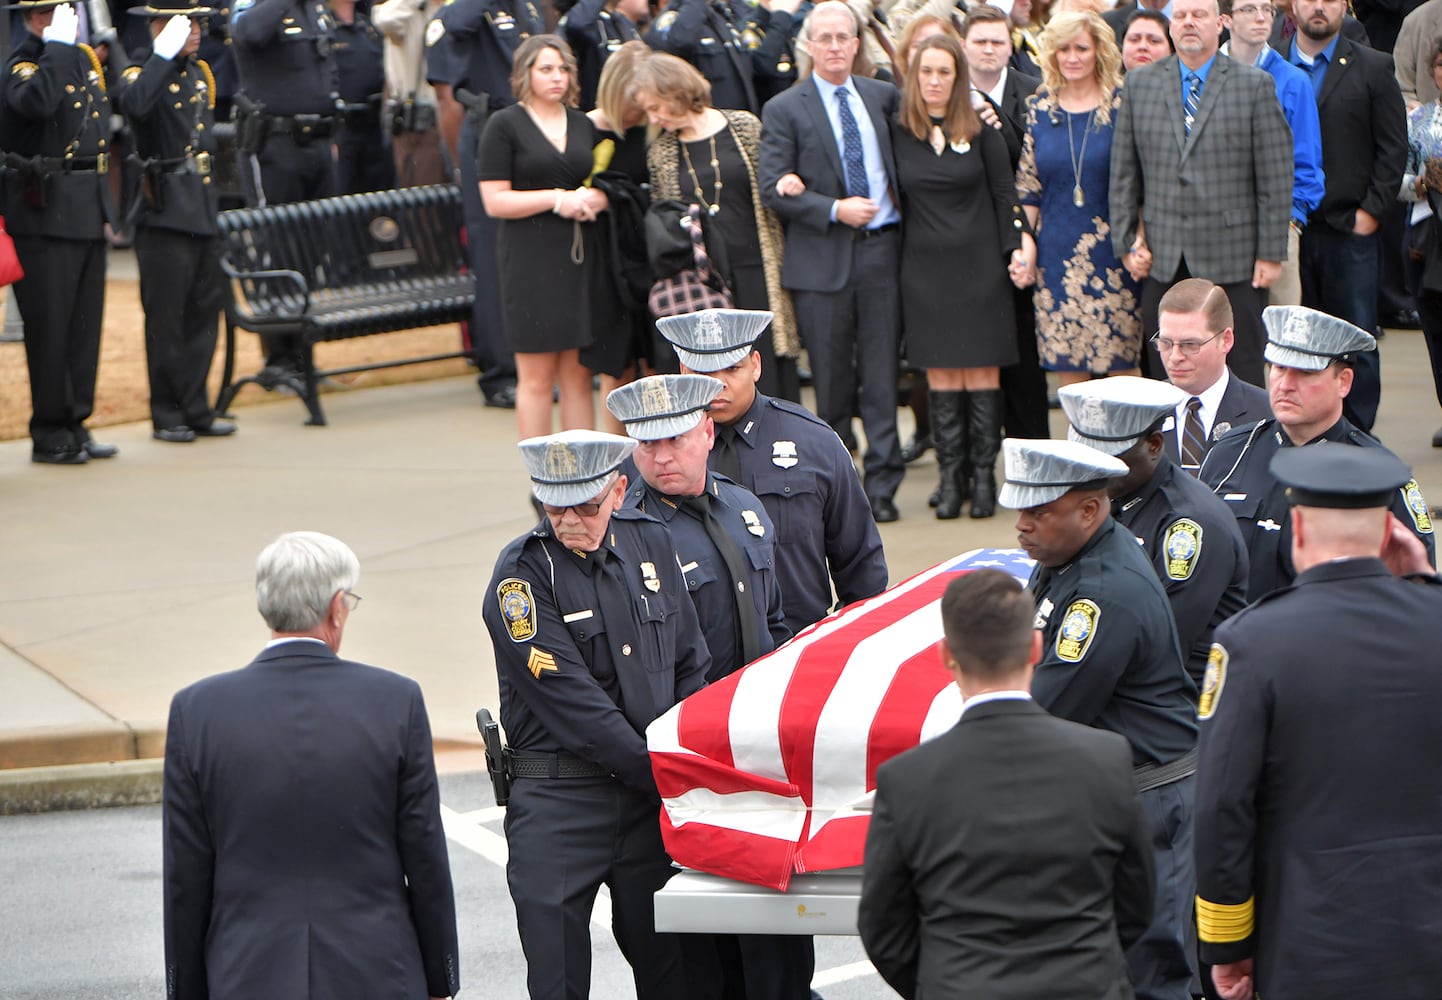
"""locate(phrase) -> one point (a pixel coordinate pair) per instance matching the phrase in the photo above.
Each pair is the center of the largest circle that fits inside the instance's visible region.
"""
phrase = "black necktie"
(1194, 438)
(857, 183)
(622, 636)
(736, 569)
(724, 458)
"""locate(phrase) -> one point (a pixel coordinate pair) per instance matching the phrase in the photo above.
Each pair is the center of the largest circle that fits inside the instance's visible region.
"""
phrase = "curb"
(79, 786)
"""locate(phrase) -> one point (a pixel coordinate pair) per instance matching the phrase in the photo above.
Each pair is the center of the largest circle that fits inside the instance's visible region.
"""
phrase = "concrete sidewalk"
(127, 579)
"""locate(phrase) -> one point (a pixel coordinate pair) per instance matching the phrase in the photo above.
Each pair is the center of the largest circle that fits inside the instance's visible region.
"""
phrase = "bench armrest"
(282, 310)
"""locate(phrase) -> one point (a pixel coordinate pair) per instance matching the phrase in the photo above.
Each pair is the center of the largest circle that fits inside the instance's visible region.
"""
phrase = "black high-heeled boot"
(948, 435)
(984, 441)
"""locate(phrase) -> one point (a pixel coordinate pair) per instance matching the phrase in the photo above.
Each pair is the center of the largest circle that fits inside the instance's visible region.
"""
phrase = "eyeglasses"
(589, 509)
(1255, 10)
(827, 41)
(352, 600)
(1186, 348)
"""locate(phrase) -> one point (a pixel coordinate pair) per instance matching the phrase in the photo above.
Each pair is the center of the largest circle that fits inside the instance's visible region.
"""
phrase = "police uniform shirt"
(1318, 797)
(1110, 657)
(55, 105)
(170, 106)
(1196, 551)
(558, 684)
(718, 39)
(485, 35)
(359, 59)
(708, 579)
(774, 60)
(285, 53)
(594, 33)
(1237, 468)
(794, 462)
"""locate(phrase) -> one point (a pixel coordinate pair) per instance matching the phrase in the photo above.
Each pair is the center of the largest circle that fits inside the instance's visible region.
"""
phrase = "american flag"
(771, 771)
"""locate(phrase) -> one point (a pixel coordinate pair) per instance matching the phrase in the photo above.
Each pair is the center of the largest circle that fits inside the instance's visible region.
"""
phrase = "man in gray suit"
(827, 171)
(1201, 180)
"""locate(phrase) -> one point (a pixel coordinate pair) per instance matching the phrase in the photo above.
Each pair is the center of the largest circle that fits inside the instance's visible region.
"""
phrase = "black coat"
(304, 854)
(1009, 857)
(1242, 405)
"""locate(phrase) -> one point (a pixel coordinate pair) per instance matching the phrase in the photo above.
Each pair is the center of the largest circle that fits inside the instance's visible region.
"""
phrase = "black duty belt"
(191, 163)
(525, 764)
(1149, 776)
(58, 164)
(301, 126)
(866, 234)
(362, 116)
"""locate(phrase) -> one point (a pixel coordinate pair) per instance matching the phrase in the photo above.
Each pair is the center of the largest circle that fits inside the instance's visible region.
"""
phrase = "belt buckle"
(202, 163)
(102, 163)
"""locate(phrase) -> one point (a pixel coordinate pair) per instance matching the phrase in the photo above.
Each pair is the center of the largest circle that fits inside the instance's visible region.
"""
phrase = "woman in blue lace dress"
(1422, 185)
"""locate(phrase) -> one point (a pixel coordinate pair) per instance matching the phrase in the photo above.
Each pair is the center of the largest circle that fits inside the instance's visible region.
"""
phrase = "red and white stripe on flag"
(770, 771)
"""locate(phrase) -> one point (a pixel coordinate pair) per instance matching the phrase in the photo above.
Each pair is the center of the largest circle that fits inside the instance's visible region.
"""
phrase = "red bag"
(10, 269)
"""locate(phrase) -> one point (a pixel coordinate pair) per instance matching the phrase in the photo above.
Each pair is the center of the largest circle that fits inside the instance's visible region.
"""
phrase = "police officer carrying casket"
(1311, 357)
(594, 638)
(55, 133)
(1189, 535)
(792, 460)
(1319, 791)
(1110, 659)
(168, 95)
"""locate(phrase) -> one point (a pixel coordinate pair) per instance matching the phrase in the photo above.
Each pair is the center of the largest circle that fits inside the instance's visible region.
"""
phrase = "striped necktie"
(1194, 438)
(1192, 102)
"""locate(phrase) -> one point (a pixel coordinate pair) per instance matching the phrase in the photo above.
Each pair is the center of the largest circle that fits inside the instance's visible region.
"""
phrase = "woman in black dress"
(961, 225)
(536, 157)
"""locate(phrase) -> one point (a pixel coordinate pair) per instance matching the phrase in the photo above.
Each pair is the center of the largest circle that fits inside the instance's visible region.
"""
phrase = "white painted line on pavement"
(841, 974)
(488, 815)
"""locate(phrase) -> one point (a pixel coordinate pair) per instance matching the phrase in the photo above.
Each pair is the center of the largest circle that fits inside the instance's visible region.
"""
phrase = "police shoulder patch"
(664, 22)
(518, 608)
(1213, 681)
(435, 31)
(24, 70)
(1078, 627)
(1417, 506)
(131, 74)
(1182, 546)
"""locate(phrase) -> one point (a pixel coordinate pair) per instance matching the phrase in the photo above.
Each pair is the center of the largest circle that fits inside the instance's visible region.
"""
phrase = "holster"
(250, 129)
(496, 757)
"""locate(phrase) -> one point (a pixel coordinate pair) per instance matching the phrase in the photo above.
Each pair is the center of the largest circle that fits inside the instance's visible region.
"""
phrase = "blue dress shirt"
(1299, 107)
(876, 180)
(1316, 67)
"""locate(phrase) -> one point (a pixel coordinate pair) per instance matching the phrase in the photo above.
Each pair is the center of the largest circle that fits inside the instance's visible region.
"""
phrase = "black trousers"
(363, 161)
(62, 301)
(1246, 360)
(488, 341)
(1023, 385)
(284, 171)
(567, 837)
(182, 292)
(1340, 274)
(851, 340)
(748, 966)
(1163, 962)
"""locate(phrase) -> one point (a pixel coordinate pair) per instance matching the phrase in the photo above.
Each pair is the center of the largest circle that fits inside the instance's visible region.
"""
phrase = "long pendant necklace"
(1078, 197)
(714, 205)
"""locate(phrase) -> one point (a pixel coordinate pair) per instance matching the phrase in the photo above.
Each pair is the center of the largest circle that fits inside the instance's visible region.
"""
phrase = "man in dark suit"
(1195, 337)
(1364, 151)
(1009, 856)
(304, 854)
(1203, 159)
(986, 40)
(827, 170)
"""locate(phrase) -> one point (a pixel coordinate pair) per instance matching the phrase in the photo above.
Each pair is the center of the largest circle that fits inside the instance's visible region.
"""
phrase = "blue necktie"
(1192, 102)
(856, 186)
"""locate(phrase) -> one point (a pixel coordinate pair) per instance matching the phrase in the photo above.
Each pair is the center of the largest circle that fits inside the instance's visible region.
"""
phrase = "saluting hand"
(64, 26)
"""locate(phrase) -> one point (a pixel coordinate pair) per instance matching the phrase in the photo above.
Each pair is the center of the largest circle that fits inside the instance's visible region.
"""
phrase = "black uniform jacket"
(559, 690)
(1110, 657)
(285, 52)
(713, 591)
(304, 854)
(804, 475)
(55, 105)
(1197, 552)
(1008, 857)
(169, 103)
(1319, 790)
(1238, 469)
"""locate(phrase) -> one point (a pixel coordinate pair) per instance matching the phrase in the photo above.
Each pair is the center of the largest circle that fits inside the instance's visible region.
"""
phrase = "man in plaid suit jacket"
(1210, 197)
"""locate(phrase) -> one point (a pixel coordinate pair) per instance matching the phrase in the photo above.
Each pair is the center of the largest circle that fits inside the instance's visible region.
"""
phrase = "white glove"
(63, 27)
(172, 37)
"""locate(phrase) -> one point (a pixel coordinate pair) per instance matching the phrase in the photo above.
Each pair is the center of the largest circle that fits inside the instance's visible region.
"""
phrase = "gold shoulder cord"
(209, 80)
(94, 63)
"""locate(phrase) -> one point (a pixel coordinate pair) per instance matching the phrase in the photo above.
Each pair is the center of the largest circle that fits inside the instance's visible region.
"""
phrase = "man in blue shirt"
(1250, 24)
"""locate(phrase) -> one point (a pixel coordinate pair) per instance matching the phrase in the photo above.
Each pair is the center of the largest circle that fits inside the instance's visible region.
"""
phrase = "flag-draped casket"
(770, 771)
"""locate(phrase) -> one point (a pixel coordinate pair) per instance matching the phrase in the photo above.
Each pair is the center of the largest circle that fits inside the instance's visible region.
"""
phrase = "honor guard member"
(168, 97)
(1319, 795)
(792, 460)
(361, 163)
(55, 133)
(774, 61)
(726, 545)
(412, 112)
(594, 638)
(1189, 535)
(718, 37)
(483, 36)
(1311, 357)
(594, 29)
(1110, 659)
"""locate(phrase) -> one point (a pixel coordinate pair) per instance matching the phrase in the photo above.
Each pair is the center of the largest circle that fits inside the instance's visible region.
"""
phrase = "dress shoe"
(1437, 438)
(214, 429)
(915, 448)
(64, 455)
(175, 435)
(883, 510)
(1402, 319)
(503, 398)
(97, 450)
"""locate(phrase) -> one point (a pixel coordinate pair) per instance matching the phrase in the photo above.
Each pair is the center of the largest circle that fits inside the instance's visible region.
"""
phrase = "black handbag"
(695, 287)
(668, 243)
